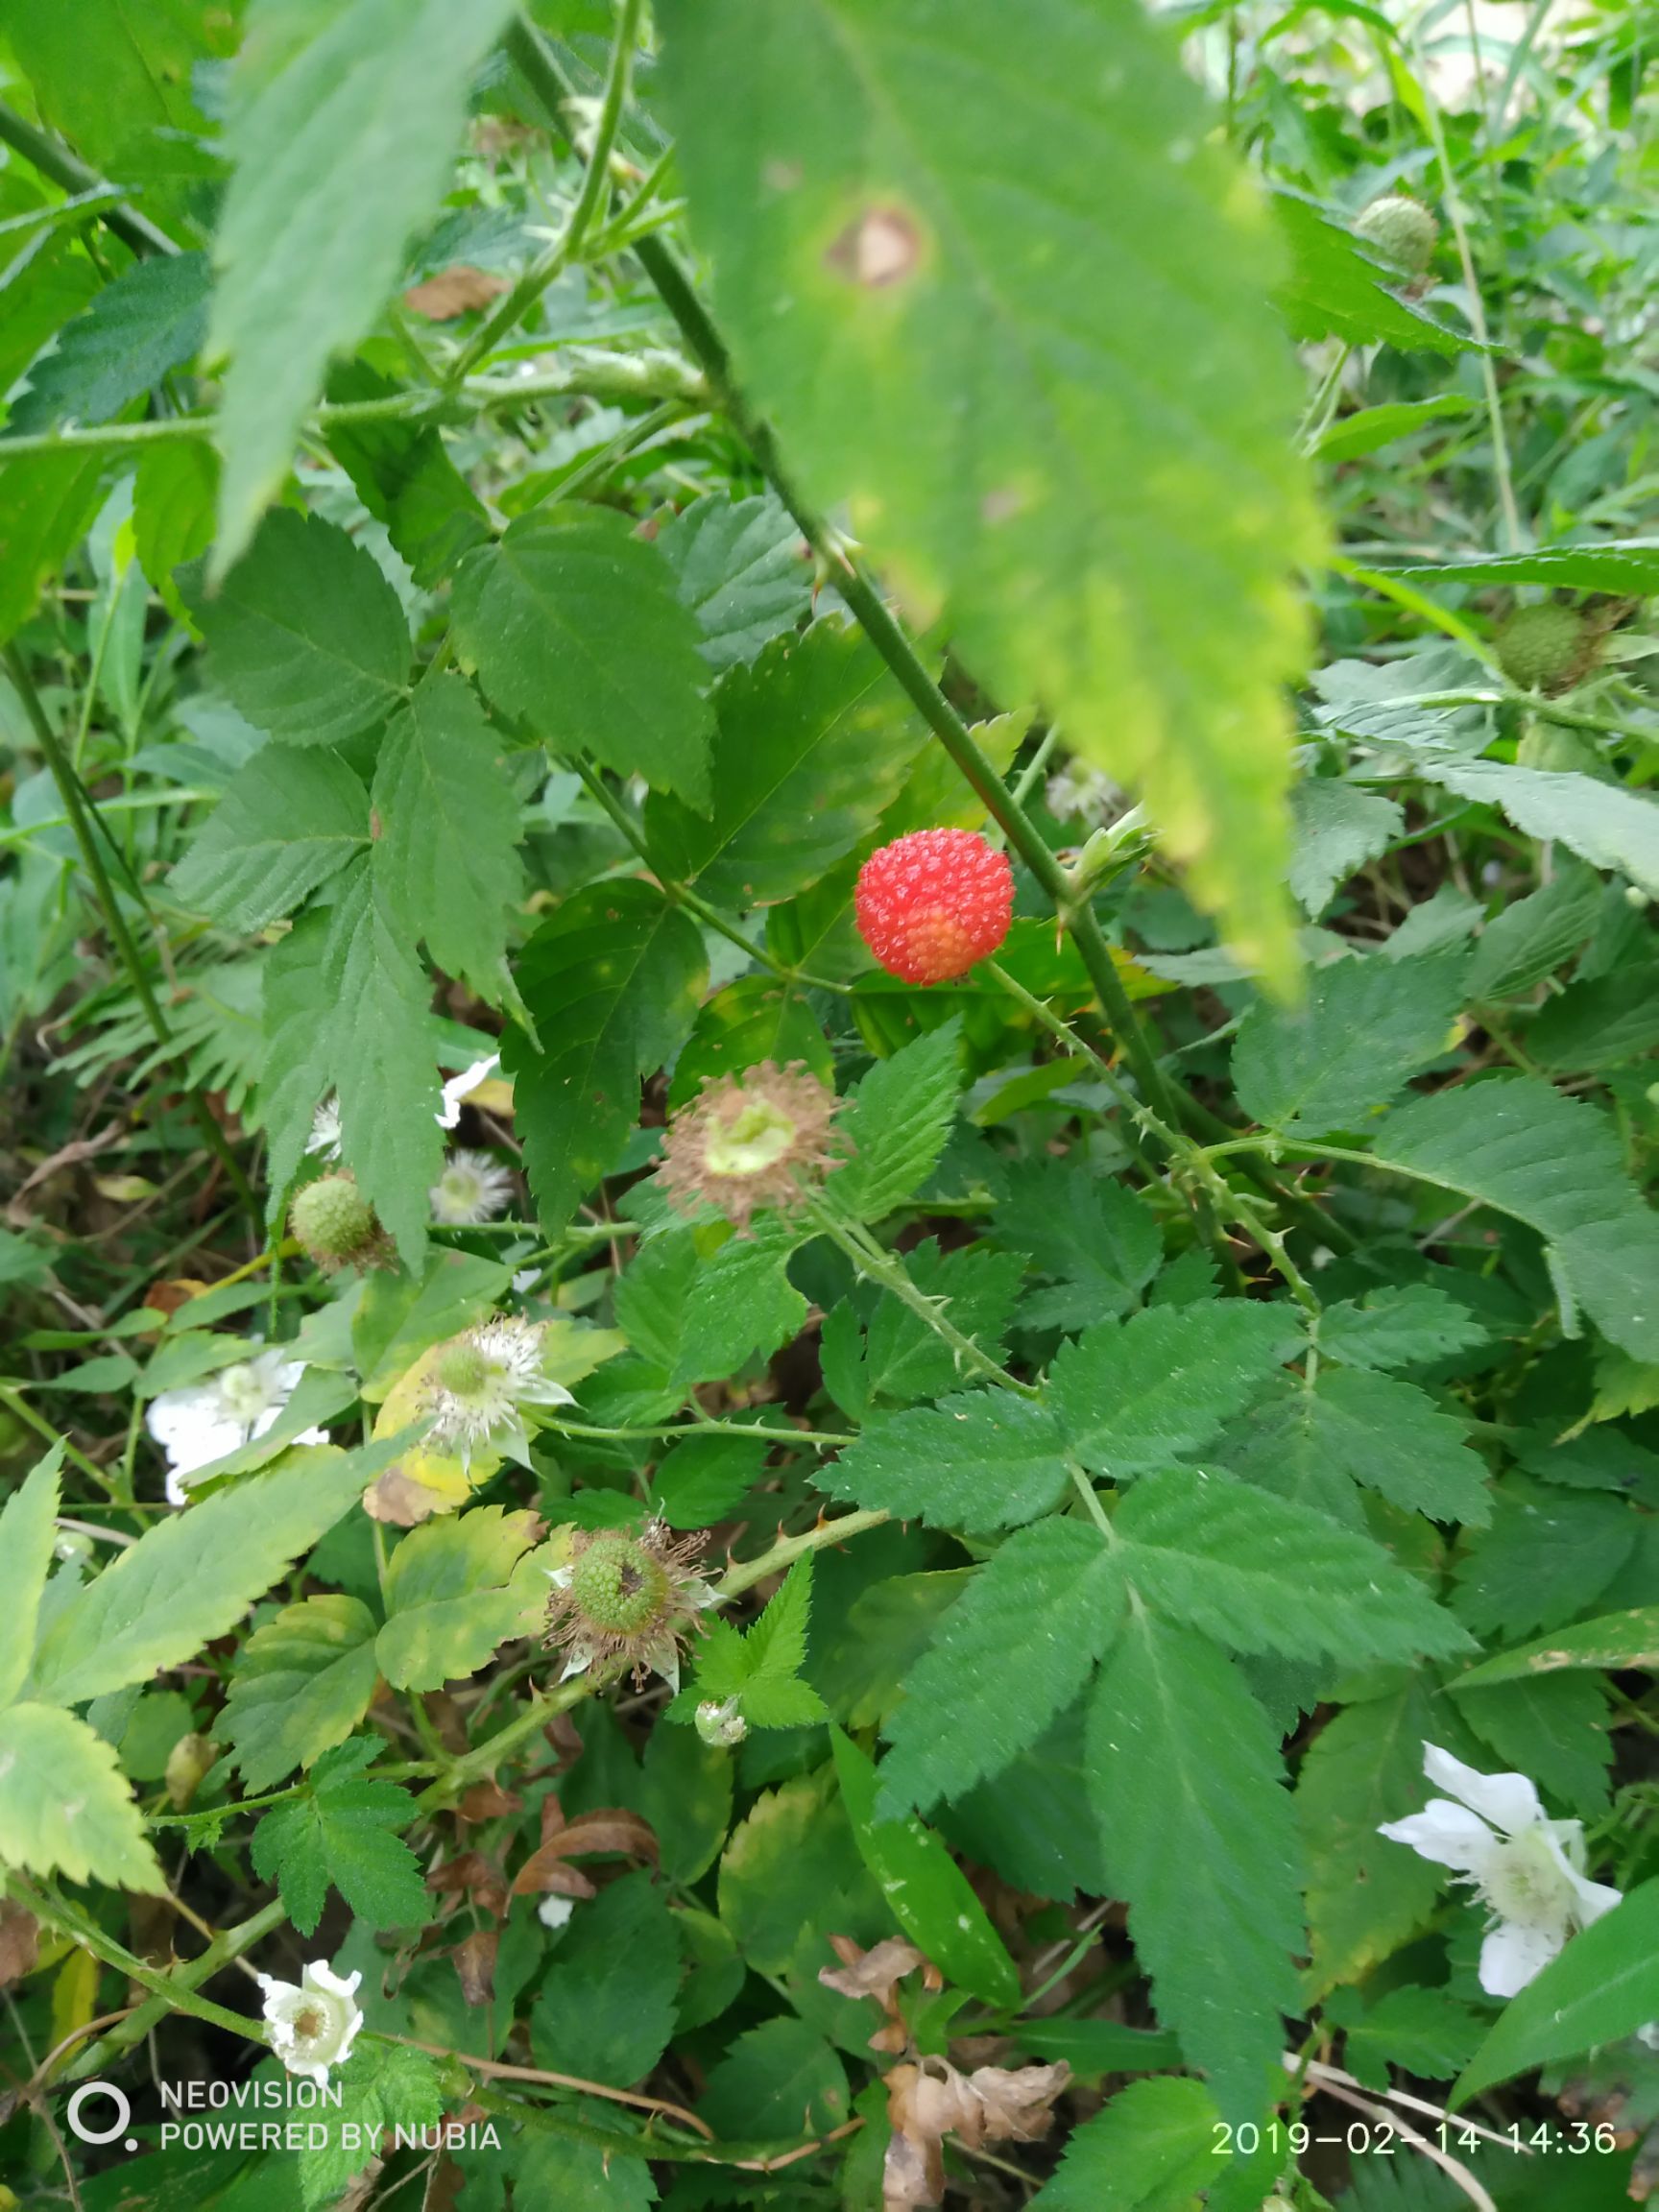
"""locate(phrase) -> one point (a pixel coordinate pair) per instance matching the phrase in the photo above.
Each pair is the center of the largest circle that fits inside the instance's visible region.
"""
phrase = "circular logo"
(117, 2126)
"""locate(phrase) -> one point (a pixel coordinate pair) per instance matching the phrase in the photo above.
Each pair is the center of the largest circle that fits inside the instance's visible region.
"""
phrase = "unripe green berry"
(461, 1369)
(1399, 231)
(334, 1222)
(619, 1586)
(1542, 648)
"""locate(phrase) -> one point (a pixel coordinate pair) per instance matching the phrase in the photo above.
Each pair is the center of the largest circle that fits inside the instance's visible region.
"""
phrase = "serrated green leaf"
(1137, 1394)
(792, 1864)
(1423, 2032)
(151, 317)
(1336, 290)
(743, 569)
(1532, 936)
(897, 1124)
(1513, 1143)
(1551, 1727)
(305, 636)
(342, 1834)
(1601, 822)
(1368, 429)
(703, 1476)
(1612, 565)
(342, 125)
(581, 2176)
(1602, 1987)
(1603, 1024)
(574, 625)
(452, 1594)
(1259, 1575)
(613, 982)
(755, 1018)
(110, 75)
(811, 744)
(446, 858)
(287, 823)
(381, 1058)
(925, 226)
(780, 2080)
(46, 501)
(301, 1685)
(1548, 1555)
(1407, 1325)
(1014, 1650)
(192, 1578)
(173, 495)
(931, 1897)
(1356, 1426)
(1338, 828)
(382, 2088)
(606, 2008)
(1365, 1896)
(1097, 1240)
(1614, 1640)
(1151, 2150)
(1198, 1834)
(738, 1303)
(980, 1462)
(404, 476)
(297, 1065)
(1366, 1025)
(65, 1806)
(28, 1533)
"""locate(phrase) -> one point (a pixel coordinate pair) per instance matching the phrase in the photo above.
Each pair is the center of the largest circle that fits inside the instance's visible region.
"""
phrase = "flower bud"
(720, 1723)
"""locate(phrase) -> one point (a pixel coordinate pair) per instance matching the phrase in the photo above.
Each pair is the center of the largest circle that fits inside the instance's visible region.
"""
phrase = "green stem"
(586, 373)
(177, 1988)
(788, 1548)
(12, 1399)
(55, 162)
(75, 807)
(889, 1273)
(595, 175)
(1501, 468)
(80, 811)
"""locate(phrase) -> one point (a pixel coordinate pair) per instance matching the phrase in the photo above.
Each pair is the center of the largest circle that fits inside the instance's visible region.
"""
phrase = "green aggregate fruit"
(1543, 648)
(1400, 231)
(334, 1222)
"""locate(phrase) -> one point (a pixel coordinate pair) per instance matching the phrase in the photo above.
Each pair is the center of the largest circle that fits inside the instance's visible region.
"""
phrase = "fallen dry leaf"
(930, 2100)
(453, 292)
(877, 1974)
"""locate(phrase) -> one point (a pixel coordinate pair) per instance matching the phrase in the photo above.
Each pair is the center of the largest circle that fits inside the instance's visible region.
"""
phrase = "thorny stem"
(585, 373)
(74, 807)
(55, 162)
(789, 1548)
(595, 175)
(889, 1271)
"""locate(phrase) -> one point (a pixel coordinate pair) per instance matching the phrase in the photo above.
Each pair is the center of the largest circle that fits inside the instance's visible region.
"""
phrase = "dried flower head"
(480, 1383)
(764, 1138)
(627, 1602)
(473, 1188)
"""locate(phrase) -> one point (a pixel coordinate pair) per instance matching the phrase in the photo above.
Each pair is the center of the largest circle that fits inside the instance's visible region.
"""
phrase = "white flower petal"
(1511, 1957)
(1509, 1801)
(1447, 1833)
(457, 1087)
(554, 1911)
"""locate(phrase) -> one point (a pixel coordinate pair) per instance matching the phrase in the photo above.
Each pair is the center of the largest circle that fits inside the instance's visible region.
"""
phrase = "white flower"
(203, 1420)
(473, 1188)
(1529, 1869)
(313, 2025)
(554, 1911)
(458, 1087)
(481, 1380)
(325, 1137)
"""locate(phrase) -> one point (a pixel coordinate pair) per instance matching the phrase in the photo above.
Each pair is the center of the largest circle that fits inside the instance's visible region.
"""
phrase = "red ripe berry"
(929, 905)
